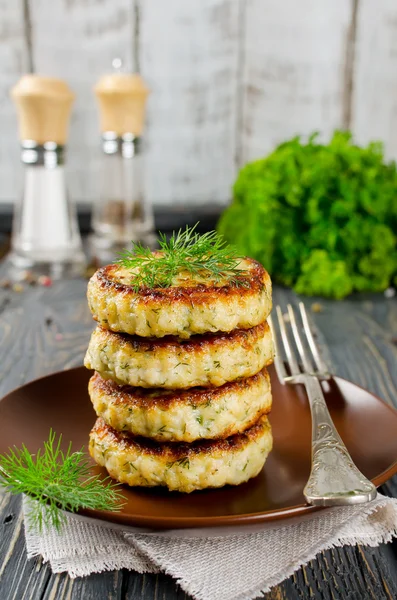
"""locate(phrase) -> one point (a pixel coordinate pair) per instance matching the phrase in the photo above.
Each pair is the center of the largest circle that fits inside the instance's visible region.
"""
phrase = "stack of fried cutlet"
(181, 388)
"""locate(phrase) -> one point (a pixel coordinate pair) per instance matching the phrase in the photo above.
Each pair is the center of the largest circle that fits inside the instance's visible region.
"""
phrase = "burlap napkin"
(236, 567)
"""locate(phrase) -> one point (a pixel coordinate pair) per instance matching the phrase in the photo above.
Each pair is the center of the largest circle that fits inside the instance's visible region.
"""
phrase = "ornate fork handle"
(334, 479)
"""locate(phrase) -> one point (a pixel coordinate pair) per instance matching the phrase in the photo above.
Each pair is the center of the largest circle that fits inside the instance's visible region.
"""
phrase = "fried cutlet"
(191, 305)
(206, 360)
(182, 467)
(182, 415)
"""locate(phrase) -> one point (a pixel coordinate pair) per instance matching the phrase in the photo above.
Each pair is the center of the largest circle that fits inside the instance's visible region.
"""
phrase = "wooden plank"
(189, 57)
(19, 579)
(14, 60)
(93, 587)
(54, 335)
(92, 34)
(375, 75)
(148, 587)
(294, 71)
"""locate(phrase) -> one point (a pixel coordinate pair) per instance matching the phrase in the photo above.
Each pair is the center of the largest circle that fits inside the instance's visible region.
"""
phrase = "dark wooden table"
(47, 329)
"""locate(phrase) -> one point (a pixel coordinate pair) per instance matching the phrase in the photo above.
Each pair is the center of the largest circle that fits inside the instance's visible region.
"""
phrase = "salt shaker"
(122, 212)
(45, 235)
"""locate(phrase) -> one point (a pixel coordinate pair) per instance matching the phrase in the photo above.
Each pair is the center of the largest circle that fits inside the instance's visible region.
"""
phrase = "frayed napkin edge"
(109, 558)
(288, 570)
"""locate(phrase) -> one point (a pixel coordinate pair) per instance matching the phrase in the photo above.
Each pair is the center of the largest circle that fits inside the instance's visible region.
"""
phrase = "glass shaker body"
(122, 212)
(45, 235)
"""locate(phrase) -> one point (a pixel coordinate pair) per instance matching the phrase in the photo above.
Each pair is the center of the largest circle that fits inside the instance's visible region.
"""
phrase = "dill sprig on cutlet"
(204, 256)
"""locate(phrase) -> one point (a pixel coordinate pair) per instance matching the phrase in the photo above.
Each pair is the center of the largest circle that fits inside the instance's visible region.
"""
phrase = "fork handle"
(334, 478)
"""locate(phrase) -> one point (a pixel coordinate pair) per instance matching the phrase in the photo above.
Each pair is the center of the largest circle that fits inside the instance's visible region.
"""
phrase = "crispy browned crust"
(126, 395)
(177, 451)
(196, 344)
(255, 279)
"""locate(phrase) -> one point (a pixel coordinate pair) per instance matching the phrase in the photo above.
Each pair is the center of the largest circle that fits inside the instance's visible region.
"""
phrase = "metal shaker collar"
(49, 154)
(127, 145)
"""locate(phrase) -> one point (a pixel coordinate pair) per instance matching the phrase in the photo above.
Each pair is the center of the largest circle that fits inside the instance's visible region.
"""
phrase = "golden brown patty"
(182, 467)
(208, 360)
(182, 416)
(190, 306)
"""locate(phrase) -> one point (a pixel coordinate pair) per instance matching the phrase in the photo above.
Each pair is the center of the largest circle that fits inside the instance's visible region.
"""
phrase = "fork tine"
(293, 365)
(322, 367)
(278, 361)
(307, 364)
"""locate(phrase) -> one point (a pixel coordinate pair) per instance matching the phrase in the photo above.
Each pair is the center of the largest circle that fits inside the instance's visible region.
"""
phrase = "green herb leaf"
(321, 218)
(203, 257)
(57, 481)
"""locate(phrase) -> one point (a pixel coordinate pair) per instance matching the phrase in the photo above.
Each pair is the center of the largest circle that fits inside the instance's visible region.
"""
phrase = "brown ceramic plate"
(367, 425)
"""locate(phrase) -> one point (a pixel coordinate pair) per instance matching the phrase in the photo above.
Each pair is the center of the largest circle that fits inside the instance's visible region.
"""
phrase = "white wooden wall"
(230, 79)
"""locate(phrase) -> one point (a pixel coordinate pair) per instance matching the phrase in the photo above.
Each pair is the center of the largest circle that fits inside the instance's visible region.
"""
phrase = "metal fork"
(334, 478)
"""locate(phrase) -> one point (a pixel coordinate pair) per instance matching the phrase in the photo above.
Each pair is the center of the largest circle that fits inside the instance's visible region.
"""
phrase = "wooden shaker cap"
(122, 102)
(43, 105)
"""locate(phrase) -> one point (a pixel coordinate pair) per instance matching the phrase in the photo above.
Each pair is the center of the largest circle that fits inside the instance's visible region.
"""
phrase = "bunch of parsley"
(321, 218)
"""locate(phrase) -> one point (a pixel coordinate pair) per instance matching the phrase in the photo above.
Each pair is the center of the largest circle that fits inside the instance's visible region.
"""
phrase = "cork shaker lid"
(122, 103)
(43, 106)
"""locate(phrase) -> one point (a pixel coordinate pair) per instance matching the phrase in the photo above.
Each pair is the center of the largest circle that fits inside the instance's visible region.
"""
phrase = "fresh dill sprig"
(55, 481)
(203, 256)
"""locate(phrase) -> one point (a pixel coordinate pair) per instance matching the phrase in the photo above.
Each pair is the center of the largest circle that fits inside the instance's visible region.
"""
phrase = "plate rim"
(171, 522)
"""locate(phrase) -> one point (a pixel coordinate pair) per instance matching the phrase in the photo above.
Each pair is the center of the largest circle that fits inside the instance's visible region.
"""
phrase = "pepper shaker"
(45, 235)
(122, 213)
